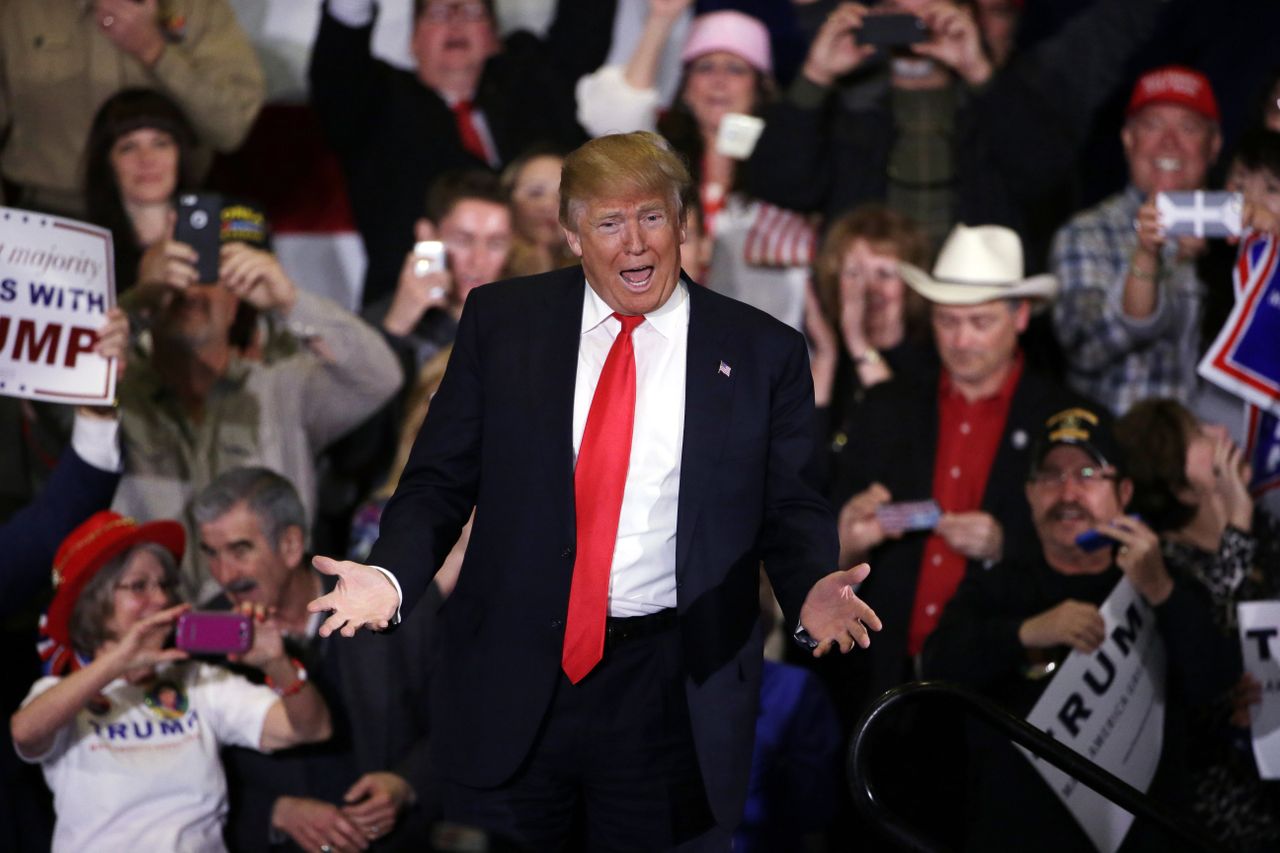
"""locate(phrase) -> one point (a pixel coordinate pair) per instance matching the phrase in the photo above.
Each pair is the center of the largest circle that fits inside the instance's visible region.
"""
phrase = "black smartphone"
(199, 225)
(892, 30)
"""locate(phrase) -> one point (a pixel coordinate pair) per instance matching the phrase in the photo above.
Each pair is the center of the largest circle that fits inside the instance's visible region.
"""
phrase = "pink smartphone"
(208, 632)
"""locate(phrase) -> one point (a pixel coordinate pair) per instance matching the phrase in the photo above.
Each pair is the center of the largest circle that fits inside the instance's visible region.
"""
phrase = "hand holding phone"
(214, 633)
(1093, 539)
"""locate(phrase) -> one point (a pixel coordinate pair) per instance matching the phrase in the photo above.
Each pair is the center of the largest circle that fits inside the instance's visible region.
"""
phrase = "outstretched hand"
(363, 598)
(832, 613)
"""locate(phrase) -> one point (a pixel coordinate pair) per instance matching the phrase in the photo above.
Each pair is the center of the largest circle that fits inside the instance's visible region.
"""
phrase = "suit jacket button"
(556, 623)
(567, 552)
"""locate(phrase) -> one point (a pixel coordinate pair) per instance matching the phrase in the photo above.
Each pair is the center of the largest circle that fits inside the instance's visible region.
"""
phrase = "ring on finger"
(325, 848)
(1124, 549)
(108, 20)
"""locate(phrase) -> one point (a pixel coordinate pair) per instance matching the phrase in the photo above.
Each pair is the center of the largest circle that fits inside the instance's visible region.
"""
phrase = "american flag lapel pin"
(725, 369)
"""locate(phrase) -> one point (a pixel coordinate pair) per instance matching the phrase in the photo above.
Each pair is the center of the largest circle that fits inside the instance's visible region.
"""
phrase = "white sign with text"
(57, 281)
(1259, 629)
(1109, 707)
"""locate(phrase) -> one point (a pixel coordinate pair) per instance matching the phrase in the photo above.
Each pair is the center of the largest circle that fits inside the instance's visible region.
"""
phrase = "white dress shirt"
(643, 577)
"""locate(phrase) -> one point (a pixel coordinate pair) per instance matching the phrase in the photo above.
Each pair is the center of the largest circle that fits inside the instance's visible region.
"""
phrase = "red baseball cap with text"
(1178, 85)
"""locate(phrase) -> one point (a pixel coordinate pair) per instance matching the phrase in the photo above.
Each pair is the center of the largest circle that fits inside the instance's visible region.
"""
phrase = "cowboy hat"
(978, 264)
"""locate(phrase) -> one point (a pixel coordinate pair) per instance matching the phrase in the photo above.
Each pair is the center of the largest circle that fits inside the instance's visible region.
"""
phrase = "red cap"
(1178, 85)
(87, 549)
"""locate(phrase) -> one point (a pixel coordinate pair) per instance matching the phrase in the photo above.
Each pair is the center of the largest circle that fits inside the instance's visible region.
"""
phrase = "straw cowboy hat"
(978, 264)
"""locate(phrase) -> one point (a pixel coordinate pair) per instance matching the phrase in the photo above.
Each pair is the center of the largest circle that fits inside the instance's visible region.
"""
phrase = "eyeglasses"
(142, 586)
(440, 13)
(1051, 477)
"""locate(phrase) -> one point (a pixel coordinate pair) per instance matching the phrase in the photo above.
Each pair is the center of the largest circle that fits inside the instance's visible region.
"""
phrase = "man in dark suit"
(472, 101)
(633, 447)
(959, 435)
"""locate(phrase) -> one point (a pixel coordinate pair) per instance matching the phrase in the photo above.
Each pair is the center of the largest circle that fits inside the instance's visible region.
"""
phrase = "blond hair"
(620, 164)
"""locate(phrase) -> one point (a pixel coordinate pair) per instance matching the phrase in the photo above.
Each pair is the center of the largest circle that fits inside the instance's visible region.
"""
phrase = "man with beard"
(471, 101)
(1004, 628)
(197, 407)
(1128, 318)
(961, 437)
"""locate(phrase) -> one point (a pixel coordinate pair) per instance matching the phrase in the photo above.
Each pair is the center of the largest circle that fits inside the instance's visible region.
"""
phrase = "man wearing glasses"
(471, 101)
(1004, 630)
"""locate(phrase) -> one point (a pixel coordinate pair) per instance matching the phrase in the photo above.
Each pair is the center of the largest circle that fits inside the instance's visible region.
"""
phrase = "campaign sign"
(1259, 629)
(1109, 707)
(57, 281)
(1244, 358)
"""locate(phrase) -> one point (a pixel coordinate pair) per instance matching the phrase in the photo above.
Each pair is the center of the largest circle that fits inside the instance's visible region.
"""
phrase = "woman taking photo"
(760, 253)
(126, 729)
(137, 159)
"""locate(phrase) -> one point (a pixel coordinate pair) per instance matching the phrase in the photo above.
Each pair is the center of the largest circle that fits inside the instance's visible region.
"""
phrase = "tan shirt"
(56, 69)
(279, 415)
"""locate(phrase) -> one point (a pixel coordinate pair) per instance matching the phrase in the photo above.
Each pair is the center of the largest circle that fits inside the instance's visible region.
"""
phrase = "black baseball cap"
(1079, 426)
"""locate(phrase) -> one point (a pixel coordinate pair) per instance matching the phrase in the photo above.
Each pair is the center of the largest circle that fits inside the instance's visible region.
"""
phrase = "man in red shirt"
(961, 437)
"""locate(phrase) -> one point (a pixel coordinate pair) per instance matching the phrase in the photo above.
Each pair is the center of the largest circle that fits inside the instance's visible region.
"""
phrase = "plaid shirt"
(1112, 357)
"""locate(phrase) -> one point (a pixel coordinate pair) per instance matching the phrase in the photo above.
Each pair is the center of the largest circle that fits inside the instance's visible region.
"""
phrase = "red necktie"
(468, 132)
(598, 482)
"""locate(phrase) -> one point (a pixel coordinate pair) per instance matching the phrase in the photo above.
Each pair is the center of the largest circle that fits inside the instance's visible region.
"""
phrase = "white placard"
(57, 281)
(1109, 707)
(1259, 629)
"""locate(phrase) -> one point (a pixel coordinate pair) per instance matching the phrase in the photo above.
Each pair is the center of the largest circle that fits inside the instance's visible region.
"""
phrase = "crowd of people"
(1000, 358)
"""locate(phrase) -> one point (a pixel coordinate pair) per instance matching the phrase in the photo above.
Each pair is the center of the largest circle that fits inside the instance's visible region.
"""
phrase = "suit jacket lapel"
(708, 398)
(553, 368)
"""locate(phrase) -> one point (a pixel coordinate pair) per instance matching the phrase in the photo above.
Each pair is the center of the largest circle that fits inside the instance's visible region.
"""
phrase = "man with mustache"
(369, 781)
(1004, 629)
(471, 101)
(961, 436)
(1128, 318)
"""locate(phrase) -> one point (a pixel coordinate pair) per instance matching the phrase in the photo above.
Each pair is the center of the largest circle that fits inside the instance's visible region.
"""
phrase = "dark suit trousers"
(613, 763)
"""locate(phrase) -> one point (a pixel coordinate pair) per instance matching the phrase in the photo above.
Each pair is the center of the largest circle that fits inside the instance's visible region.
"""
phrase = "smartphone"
(214, 632)
(1092, 540)
(1200, 213)
(737, 135)
(199, 225)
(909, 515)
(428, 257)
(892, 30)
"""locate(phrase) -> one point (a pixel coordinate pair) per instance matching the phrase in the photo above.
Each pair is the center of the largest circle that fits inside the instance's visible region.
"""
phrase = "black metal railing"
(1016, 730)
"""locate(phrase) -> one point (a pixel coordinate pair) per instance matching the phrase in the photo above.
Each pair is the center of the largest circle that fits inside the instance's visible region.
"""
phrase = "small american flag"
(725, 369)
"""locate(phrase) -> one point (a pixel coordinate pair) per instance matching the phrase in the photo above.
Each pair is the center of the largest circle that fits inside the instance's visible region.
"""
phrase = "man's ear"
(1124, 491)
(1022, 315)
(423, 229)
(574, 241)
(292, 546)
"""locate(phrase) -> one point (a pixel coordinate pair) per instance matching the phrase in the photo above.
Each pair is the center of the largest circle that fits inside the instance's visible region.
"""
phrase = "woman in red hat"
(126, 730)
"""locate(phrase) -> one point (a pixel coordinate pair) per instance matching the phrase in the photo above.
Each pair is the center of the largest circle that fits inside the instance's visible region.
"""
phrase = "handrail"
(1016, 730)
